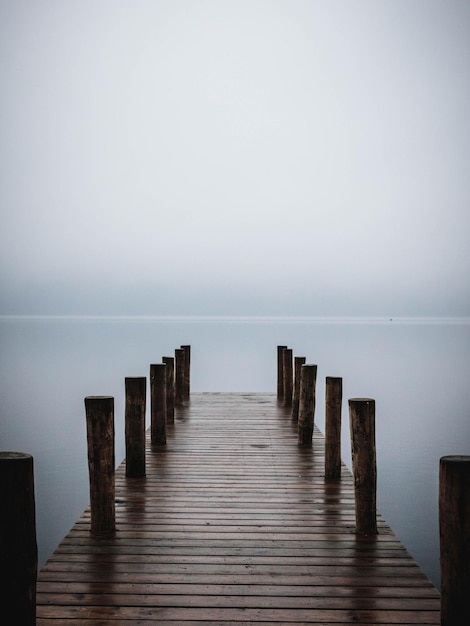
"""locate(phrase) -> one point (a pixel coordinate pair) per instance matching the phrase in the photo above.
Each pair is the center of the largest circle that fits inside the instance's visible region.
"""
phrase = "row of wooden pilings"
(296, 389)
(169, 388)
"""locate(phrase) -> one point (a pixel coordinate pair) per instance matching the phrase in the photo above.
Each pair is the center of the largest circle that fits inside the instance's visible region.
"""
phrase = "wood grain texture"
(101, 462)
(234, 523)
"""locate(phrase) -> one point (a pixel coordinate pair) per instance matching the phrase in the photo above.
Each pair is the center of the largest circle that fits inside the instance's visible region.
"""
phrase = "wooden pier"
(234, 523)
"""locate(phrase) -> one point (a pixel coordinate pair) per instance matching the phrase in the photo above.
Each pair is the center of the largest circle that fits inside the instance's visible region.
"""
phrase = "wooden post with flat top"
(18, 546)
(288, 376)
(364, 465)
(333, 401)
(170, 388)
(134, 418)
(454, 530)
(308, 378)
(158, 411)
(280, 373)
(187, 371)
(101, 463)
(179, 376)
(298, 362)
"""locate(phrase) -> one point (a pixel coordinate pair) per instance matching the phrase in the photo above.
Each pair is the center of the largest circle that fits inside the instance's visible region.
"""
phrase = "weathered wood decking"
(234, 523)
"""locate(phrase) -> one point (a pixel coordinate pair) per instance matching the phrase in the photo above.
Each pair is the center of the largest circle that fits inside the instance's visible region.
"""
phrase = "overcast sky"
(212, 157)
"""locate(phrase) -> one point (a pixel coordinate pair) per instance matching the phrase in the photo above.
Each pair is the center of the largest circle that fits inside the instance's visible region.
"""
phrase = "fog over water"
(255, 157)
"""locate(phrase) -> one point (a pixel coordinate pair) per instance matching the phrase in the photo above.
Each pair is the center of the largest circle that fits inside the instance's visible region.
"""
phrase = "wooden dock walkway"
(233, 524)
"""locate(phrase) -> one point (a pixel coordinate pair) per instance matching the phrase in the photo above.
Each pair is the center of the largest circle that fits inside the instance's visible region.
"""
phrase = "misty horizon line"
(367, 319)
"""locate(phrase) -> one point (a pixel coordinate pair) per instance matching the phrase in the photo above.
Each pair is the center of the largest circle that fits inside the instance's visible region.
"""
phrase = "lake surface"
(417, 370)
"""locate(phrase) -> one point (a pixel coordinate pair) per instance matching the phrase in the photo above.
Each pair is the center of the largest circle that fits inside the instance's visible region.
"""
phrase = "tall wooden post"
(18, 547)
(179, 376)
(280, 372)
(158, 404)
(170, 388)
(454, 530)
(308, 379)
(298, 362)
(187, 371)
(362, 426)
(101, 462)
(288, 376)
(333, 401)
(136, 392)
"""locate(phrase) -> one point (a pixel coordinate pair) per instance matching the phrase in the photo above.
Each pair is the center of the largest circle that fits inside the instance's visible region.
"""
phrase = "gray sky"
(235, 157)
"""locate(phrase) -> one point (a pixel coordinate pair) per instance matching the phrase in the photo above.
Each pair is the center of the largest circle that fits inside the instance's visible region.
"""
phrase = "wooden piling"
(158, 410)
(280, 372)
(101, 463)
(179, 376)
(187, 371)
(288, 376)
(170, 388)
(18, 547)
(454, 530)
(333, 401)
(362, 427)
(298, 362)
(136, 392)
(307, 398)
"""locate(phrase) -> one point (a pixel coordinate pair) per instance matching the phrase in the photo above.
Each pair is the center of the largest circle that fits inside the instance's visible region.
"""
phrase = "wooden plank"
(234, 523)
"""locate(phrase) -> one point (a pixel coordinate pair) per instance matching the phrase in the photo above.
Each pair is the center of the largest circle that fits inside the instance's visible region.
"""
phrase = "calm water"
(416, 370)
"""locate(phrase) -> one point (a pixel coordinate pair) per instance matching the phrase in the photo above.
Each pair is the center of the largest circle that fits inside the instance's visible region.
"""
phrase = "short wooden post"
(170, 388)
(179, 376)
(298, 362)
(288, 376)
(308, 379)
(136, 392)
(187, 371)
(454, 529)
(18, 547)
(333, 401)
(101, 464)
(280, 372)
(362, 426)
(158, 404)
